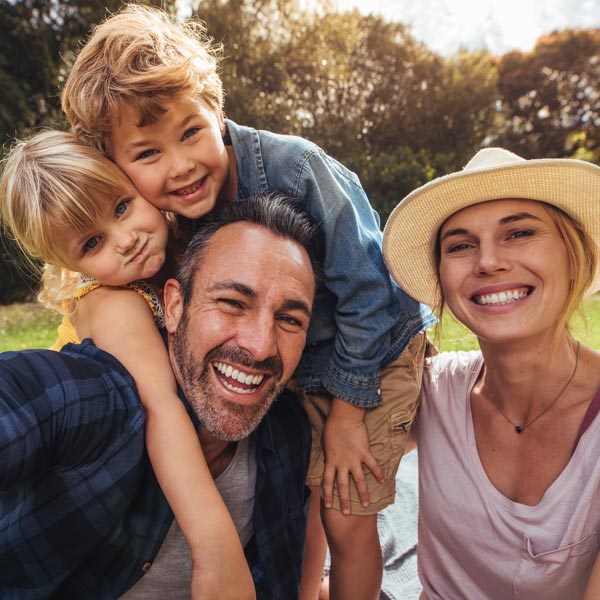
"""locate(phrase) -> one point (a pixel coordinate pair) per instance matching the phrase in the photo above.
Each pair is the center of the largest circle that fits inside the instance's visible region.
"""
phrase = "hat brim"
(410, 233)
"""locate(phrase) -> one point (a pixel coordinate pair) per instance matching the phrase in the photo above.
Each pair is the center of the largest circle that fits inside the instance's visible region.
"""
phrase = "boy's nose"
(126, 240)
(181, 165)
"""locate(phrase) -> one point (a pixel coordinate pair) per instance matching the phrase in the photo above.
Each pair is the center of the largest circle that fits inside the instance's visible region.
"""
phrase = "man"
(81, 513)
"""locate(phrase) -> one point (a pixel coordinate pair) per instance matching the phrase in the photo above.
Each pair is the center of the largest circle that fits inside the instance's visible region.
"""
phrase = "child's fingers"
(343, 487)
(373, 465)
(361, 486)
(328, 483)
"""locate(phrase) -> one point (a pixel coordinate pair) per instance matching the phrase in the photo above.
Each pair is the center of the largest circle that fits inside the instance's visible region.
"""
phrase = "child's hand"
(346, 444)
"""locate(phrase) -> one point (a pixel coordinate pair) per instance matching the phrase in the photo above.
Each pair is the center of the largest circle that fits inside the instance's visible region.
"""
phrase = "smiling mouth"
(504, 297)
(190, 189)
(236, 380)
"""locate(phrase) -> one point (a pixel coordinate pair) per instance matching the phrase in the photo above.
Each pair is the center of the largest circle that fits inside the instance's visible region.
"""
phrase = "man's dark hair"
(277, 213)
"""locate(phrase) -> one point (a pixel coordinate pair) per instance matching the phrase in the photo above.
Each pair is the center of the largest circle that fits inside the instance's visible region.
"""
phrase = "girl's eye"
(146, 154)
(191, 132)
(121, 208)
(91, 244)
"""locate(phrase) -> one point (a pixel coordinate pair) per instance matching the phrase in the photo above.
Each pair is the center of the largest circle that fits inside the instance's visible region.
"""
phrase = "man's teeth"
(502, 297)
(244, 378)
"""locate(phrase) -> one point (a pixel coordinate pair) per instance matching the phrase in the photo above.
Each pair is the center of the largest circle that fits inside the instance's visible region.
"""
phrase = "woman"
(508, 436)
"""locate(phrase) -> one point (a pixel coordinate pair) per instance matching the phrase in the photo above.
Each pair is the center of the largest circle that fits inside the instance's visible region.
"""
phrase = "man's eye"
(91, 244)
(230, 302)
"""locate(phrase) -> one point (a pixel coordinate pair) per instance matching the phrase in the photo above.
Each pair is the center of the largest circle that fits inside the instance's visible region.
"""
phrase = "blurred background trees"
(361, 87)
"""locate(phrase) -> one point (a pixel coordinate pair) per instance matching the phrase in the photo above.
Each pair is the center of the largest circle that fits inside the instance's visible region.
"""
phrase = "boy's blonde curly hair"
(143, 58)
(48, 181)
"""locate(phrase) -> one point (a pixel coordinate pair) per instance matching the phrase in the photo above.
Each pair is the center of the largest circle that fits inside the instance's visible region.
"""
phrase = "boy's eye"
(191, 132)
(91, 244)
(146, 154)
(121, 207)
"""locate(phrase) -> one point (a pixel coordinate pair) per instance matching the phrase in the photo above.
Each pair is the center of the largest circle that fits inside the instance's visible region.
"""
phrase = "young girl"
(106, 256)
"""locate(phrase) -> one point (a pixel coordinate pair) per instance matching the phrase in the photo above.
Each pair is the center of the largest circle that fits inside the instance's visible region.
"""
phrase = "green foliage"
(551, 96)
(361, 87)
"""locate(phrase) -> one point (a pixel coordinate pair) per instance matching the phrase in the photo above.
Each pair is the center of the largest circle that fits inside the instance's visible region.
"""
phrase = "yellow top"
(66, 332)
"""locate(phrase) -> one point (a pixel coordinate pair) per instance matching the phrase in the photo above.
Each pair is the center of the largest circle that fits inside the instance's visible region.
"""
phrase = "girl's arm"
(120, 322)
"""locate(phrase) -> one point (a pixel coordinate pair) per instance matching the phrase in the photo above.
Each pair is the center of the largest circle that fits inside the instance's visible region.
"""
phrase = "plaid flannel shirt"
(81, 512)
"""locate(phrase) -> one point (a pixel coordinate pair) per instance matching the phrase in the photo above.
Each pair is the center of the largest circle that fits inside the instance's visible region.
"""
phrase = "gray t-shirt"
(169, 576)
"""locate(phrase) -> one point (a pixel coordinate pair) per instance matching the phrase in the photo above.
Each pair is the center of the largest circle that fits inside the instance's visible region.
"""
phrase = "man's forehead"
(247, 252)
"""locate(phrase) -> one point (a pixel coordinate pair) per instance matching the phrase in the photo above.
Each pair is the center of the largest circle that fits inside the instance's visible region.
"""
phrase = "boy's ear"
(173, 305)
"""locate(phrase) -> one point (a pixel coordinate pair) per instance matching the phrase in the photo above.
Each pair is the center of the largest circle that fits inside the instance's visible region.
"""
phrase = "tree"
(551, 96)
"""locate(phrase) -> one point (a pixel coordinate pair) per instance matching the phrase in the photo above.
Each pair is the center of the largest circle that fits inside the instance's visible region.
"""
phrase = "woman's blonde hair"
(52, 180)
(582, 254)
(142, 58)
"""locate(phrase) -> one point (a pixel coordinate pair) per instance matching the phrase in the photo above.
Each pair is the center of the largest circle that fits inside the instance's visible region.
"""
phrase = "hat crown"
(492, 157)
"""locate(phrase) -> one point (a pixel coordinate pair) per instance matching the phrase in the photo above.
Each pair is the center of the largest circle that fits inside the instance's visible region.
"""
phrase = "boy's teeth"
(505, 297)
(189, 190)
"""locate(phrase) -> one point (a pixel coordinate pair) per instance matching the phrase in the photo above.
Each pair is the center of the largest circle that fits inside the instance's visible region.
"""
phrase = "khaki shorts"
(388, 426)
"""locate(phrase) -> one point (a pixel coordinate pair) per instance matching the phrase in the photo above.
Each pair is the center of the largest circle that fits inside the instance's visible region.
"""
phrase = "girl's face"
(126, 243)
(504, 269)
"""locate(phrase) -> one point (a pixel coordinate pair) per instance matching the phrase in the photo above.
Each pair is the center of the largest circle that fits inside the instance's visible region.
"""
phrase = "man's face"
(239, 340)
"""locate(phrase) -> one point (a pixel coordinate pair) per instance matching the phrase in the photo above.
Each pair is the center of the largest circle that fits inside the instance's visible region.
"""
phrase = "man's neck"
(218, 453)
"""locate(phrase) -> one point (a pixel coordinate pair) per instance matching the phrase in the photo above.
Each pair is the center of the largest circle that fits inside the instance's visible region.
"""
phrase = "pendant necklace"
(522, 428)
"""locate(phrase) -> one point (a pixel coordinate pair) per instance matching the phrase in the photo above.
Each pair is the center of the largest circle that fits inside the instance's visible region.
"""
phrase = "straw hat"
(493, 173)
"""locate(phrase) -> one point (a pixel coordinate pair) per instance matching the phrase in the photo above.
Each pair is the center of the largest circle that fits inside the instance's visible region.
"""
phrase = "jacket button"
(146, 566)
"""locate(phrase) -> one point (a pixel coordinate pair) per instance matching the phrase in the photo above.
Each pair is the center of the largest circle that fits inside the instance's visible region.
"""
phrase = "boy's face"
(178, 163)
(127, 242)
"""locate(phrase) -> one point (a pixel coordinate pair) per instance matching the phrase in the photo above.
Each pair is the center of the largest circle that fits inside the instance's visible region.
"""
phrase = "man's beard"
(226, 420)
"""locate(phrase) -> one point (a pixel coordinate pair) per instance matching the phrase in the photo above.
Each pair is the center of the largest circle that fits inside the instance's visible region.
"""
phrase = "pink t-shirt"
(475, 543)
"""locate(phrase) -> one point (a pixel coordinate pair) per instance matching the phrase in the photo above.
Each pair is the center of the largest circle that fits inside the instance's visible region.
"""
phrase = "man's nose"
(257, 336)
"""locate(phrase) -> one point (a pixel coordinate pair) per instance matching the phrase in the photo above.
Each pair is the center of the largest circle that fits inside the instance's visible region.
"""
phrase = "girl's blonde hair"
(52, 180)
(143, 58)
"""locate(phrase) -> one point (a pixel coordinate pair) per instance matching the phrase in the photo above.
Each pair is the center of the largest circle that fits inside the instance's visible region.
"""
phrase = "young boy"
(145, 90)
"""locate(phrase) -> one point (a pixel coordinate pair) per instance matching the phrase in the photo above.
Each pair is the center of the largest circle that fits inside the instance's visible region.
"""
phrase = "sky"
(498, 25)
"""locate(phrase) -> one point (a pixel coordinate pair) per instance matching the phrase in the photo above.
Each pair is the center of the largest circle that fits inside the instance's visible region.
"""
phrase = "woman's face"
(504, 269)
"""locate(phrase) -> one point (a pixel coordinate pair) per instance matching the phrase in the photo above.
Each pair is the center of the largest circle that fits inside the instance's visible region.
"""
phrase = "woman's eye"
(460, 247)
(91, 244)
(521, 233)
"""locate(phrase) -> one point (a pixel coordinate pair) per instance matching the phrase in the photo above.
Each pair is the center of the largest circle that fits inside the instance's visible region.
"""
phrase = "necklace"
(522, 428)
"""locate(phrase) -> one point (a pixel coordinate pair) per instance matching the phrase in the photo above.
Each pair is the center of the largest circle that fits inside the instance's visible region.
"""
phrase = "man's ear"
(173, 305)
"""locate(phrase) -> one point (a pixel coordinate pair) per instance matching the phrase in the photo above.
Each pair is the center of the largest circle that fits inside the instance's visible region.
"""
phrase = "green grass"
(455, 336)
(31, 326)
(27, 325)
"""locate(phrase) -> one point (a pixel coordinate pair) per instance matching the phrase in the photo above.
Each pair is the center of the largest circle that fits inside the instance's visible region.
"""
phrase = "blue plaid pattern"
(81, 512)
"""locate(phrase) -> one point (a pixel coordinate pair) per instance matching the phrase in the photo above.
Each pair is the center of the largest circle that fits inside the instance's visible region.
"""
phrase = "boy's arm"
(120, 322)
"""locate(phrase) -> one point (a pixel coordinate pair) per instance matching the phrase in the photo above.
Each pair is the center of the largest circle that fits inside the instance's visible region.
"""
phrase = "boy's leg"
(388, 426)
(356, 562)
(314, 551)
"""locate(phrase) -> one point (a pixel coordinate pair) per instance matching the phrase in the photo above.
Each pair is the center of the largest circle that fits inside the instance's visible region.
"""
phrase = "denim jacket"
(361, 319)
